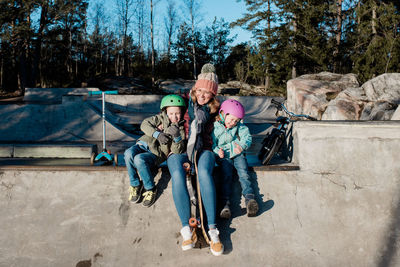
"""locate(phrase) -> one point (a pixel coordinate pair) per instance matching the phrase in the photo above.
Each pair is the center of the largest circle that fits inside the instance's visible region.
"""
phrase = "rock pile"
(124, 85)
(177, 86)
(330, 96)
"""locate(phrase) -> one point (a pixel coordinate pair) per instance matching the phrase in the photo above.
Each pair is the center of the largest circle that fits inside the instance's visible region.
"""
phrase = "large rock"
(347, 105)
(311, 93)
(396, 115)
(379, 110)
(385, 87)
(330, 96)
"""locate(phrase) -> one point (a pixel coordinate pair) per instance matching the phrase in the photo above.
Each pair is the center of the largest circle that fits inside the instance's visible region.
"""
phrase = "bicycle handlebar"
(273, 101)
(281, 106)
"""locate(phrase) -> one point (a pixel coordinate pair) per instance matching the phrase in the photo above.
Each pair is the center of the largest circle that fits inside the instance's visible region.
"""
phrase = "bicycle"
(273, 141)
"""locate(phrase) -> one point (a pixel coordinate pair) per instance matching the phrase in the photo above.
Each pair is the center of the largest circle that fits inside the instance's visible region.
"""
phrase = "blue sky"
(229, 10)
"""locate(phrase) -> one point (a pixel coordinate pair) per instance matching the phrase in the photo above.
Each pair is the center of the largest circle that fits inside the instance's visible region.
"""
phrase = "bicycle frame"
(272, 143)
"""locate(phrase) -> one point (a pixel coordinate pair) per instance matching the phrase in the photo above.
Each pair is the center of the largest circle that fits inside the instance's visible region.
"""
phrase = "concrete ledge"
(47, 150)
(53, 94)
(6, 151)
(332, 146)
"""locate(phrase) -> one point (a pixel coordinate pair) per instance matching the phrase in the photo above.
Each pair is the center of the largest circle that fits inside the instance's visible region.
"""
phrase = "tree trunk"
(359, 17)
(338, 36)
(68, 60)
(294, 70)
(22, 77)
(1, 65)
(38, 45)
(267, 79)
(373, 22)
(170, 24)
(193, 40)
(194, 51)
(267, 75)
(152, 44)
(21, 49)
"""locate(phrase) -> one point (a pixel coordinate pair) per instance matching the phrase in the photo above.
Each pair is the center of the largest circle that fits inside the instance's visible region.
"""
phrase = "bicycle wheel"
(271, 147)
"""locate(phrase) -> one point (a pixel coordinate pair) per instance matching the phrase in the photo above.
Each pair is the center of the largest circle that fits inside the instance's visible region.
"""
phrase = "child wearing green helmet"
(163, 134)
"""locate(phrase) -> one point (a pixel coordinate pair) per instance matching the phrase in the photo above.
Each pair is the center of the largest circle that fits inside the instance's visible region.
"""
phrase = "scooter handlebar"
(114, 92)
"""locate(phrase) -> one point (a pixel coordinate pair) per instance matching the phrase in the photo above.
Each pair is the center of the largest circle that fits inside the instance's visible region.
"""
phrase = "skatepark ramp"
(340, 208)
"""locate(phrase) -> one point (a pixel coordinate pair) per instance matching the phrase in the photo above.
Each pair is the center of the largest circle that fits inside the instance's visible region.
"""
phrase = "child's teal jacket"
(226, 138)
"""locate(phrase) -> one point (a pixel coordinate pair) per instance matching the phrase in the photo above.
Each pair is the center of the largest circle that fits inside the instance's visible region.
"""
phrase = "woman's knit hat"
(207, 79)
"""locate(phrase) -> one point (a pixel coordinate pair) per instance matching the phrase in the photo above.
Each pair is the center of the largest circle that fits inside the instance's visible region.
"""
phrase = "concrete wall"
(342, 208)
(69, 115)
(72, 121)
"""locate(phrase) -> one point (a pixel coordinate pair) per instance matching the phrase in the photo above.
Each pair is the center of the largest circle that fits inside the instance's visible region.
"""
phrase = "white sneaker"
(188, 242)
(216, 246)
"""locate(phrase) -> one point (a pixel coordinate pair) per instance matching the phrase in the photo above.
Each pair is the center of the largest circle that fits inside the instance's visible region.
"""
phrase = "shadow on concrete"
(162, 182)
(237, 206)
(390, 246)
(264, 205)
(287, 147)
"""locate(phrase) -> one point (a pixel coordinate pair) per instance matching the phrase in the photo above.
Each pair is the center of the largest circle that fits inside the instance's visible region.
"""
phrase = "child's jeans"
(140, 163)
(179, 189)
(240, 164)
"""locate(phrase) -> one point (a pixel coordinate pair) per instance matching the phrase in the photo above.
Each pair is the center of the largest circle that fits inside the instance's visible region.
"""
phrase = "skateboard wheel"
(116, 159)
(92, 157)
(186, 166)
(192, 222)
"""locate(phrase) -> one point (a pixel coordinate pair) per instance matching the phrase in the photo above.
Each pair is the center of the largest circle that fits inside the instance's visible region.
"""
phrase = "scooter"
(105, 155)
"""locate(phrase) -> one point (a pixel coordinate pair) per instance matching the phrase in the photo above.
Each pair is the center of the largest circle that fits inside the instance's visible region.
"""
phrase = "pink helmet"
(232, 106)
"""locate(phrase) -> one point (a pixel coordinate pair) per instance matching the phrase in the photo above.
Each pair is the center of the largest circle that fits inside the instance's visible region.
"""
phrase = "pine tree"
(16, 37)
(261, 20)
(217, 40)
(376, 46)
(182, 47)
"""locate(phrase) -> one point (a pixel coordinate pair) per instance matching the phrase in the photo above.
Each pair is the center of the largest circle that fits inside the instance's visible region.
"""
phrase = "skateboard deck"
(196, 221)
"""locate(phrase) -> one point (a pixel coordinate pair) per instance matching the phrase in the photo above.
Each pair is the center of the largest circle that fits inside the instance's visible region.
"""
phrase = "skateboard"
(196, 221)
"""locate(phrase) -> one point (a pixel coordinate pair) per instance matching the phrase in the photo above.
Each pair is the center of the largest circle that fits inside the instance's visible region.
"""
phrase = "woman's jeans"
(205, 166)
(140, 164)
(240, 164)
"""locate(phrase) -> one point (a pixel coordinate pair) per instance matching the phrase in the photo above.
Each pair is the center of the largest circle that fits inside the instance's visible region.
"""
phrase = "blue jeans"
(206, 162)
(140, 164)
(240, 164)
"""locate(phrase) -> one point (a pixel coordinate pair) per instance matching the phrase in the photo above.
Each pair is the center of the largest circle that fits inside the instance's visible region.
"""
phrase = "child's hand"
(163, 138)
(173, 130)
(221, 153)
(238, 149)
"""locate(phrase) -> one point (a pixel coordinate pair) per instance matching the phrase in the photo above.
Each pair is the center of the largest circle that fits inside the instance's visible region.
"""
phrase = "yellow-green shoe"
(149, 197)
(135, 192)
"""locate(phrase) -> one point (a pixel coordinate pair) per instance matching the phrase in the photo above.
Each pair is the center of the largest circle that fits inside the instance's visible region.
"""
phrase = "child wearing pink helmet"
(230, 140)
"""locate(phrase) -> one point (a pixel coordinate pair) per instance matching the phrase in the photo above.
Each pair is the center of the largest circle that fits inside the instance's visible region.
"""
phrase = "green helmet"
(172, 101)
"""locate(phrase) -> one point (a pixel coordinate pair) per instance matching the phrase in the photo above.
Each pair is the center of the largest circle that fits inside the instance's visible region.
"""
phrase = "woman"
(200, 116)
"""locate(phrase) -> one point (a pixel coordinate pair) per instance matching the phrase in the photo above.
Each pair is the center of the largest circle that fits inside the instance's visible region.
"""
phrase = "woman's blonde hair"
(213, 104)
